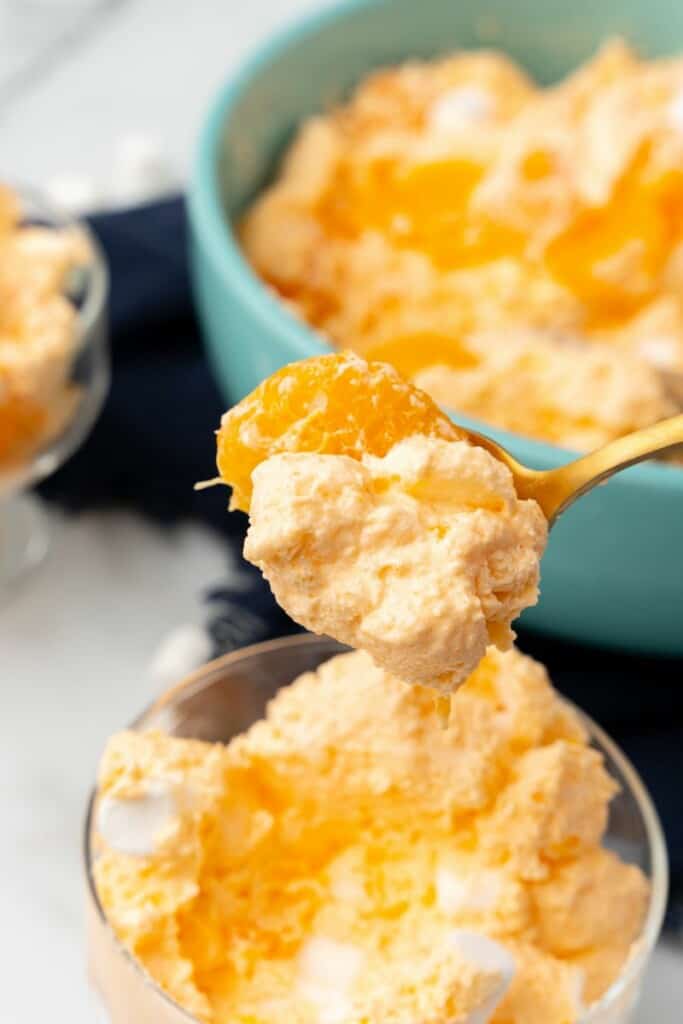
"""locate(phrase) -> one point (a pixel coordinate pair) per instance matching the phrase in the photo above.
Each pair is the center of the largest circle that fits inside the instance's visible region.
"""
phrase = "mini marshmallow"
(675, 110)
(132, 826)
(460, 107)
(489, 956)
(660, 350)
(327, 971)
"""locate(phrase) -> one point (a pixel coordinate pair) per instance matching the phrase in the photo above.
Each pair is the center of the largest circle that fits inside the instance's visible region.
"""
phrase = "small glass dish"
(223, 699)
(79, 384)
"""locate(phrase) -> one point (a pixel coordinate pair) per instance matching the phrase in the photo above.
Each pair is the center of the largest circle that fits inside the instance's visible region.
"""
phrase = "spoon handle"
(558, 488)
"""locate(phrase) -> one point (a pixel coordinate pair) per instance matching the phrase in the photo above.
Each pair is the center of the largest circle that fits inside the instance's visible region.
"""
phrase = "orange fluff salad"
(349, 861)
(515, 249)
(377, 522)
(38, 330)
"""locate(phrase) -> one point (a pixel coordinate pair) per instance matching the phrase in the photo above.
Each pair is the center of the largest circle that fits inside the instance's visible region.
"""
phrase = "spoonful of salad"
(380, 522)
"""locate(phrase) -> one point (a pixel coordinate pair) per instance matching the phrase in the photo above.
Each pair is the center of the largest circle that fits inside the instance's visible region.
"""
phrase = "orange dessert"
(38, 331)
(456, 218)
(349, 861)
(376, 522)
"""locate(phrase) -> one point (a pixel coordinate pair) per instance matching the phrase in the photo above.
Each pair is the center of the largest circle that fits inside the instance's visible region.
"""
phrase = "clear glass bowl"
(223, 699)
(23, 537)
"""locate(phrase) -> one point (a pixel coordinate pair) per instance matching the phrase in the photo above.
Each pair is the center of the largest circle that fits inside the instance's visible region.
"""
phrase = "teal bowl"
(613, 571)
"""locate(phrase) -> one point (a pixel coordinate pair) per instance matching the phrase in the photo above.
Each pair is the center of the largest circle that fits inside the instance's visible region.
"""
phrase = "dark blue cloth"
(155, 439)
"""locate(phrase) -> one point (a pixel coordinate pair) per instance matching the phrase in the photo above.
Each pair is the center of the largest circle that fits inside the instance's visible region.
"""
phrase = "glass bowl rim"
(651, 928)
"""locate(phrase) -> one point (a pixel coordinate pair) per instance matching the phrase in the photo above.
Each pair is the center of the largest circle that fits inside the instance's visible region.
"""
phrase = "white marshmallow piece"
(675, 111)
(488, 956)
(460, 108)
(327, 971)
(132, 826)
(661, 351)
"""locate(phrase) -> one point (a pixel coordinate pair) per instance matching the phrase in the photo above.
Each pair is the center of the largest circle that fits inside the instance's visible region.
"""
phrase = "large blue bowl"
(613, 571)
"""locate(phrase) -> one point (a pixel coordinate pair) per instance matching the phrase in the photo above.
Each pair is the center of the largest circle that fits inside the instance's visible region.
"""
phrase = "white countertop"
(76, 640)
(127, 67)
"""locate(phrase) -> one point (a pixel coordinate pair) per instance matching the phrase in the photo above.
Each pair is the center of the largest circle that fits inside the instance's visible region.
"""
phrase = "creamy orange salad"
(349, 861)
(517, 248)
(38, 331)
(376, 521)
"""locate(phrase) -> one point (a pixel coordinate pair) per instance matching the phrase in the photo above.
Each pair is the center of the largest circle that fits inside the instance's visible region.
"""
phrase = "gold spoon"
(556, 489)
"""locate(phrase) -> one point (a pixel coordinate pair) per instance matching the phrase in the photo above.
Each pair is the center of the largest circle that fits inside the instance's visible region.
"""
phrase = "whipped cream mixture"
(422, 558)
(348, 860)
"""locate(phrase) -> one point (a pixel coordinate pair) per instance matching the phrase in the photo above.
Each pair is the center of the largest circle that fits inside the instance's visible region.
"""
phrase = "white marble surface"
(75, 643)
(143, 67)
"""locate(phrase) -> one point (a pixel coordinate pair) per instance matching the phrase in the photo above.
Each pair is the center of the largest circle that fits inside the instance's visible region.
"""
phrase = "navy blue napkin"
(154, 439)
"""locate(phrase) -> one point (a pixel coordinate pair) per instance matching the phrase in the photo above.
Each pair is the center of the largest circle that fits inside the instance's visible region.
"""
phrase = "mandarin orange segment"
(335, 404)
(612, 257)
(410, 353)
(425, 207)
(391, 197)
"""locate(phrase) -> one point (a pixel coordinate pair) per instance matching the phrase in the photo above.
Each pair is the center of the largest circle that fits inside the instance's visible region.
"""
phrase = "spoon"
(556, 489)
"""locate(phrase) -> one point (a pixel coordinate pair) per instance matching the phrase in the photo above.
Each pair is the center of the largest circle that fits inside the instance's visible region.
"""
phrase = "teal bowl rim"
(214, 233)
